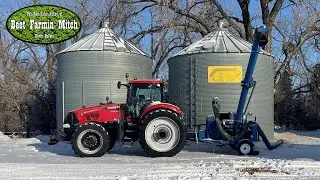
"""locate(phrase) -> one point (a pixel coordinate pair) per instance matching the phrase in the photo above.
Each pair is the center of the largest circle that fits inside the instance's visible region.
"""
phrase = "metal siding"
(262, 101)
(58, 102)
(101, 89)
(99, 71)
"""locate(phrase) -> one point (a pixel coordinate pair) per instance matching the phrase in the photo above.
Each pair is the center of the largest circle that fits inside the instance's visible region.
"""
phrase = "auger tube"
(247, 83)
(266, 141)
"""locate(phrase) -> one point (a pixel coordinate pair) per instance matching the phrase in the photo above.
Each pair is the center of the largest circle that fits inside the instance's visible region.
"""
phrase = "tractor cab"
(141, 93)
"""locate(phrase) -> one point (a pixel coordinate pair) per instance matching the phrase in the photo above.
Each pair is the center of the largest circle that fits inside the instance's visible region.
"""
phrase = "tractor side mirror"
(119, 85)
(107, 98)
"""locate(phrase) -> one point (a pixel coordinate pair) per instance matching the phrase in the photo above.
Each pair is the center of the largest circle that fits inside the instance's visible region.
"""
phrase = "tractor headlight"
(65, 126)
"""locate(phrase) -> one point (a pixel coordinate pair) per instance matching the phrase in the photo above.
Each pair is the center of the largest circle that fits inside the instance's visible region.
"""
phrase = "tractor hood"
(91, 109)
(104, 113)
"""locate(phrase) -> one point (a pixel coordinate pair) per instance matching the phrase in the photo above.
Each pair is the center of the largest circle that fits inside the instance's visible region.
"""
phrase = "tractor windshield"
(146, 92)
(143, 94)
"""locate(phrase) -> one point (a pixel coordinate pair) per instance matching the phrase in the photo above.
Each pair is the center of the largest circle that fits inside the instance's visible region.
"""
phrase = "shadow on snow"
(286, 151)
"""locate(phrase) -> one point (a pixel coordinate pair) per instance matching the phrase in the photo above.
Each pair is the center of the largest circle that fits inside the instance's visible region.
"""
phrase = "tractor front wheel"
(162, 134)
(90, 140)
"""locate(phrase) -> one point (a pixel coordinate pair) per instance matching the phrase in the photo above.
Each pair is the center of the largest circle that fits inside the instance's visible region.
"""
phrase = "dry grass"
(252, 170)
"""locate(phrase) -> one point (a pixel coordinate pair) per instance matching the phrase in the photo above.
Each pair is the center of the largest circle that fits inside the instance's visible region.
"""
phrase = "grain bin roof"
(104, 39)
(219, 41)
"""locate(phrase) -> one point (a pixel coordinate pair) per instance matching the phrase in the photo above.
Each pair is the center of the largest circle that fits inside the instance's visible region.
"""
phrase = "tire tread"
(99, 128)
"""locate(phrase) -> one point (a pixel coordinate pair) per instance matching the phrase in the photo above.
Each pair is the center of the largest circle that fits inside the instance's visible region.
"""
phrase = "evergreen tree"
(284, 99)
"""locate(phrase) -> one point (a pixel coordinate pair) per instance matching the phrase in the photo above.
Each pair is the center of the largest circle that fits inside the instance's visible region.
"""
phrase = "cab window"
(149, 92)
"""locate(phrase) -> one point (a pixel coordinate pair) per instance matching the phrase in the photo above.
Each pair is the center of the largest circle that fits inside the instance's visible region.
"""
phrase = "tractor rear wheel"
(90, 140)
(162, 134)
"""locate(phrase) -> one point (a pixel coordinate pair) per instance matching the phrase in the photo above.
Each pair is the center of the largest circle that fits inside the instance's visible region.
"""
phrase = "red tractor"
(145, 117)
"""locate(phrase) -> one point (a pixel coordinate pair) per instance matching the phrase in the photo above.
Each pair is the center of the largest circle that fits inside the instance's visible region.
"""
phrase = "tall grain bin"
(214, 67)
(89, 70)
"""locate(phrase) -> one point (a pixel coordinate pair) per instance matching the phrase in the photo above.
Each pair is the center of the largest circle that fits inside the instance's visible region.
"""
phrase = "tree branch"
(302, 91)
(148, 31)
(244, 5)
(227, 17)
(274, 12)
(196, 3)
(304, 61)
(278, 29)
(163, 58)
(309, 33)
(264, 10)
(177, 10)
(36, 60)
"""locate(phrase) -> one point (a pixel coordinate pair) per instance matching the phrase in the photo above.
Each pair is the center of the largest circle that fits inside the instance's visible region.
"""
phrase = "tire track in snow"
(197, 170)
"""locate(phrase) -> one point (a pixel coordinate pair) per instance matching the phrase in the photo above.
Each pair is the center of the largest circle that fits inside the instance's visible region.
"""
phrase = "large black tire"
(167, 128)
(90, 140)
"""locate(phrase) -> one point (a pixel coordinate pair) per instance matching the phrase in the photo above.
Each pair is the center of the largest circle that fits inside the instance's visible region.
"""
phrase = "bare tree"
(16, 85)
(297, 31)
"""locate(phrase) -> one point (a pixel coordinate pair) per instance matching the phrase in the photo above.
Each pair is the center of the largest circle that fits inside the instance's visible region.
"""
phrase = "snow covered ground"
(298, 158)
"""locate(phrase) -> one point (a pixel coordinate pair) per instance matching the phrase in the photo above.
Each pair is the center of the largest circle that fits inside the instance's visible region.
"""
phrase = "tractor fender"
(160, 105)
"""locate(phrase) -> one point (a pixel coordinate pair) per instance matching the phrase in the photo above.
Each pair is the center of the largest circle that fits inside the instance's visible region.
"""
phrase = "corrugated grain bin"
(214, 67)
(89, 70)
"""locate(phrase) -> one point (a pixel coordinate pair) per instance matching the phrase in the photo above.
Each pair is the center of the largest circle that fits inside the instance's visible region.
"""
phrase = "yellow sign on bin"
(224, 74)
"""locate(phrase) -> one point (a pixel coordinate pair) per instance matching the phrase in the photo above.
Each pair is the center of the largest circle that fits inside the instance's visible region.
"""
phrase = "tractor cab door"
(142, 95)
